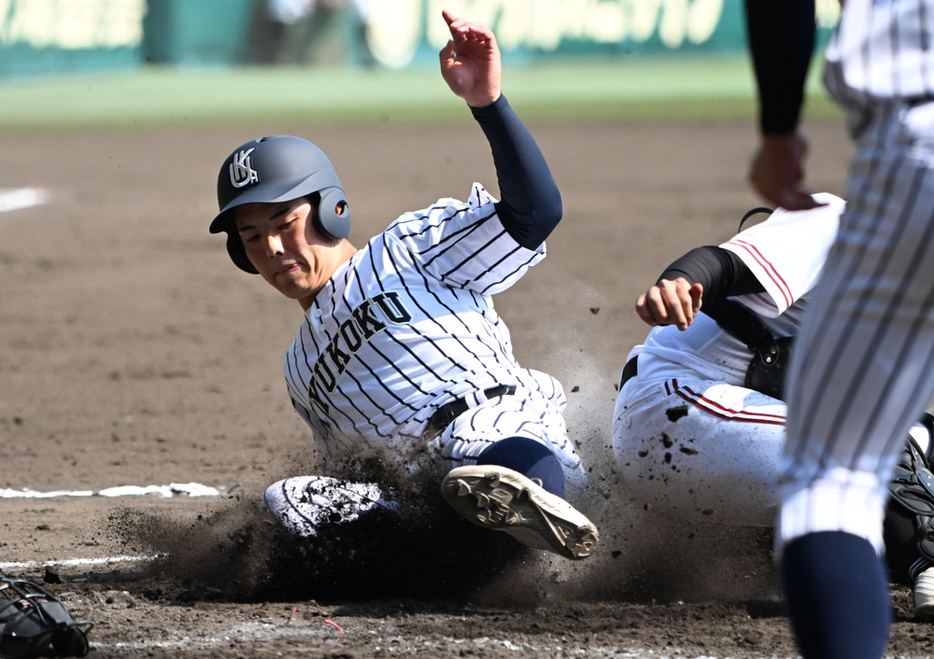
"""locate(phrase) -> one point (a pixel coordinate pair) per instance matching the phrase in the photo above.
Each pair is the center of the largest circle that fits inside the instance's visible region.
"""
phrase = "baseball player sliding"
(700, 416)
(400, 355)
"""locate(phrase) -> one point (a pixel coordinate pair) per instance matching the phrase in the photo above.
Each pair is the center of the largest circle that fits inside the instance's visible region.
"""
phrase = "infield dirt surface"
(133, 352)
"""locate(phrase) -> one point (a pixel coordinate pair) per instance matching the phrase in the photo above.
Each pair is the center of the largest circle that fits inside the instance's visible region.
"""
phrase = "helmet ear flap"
(331, 219)
(333, 216)
(238, 253)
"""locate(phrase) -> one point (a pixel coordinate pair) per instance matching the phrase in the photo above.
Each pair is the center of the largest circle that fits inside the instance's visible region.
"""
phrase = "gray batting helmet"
(273, 169)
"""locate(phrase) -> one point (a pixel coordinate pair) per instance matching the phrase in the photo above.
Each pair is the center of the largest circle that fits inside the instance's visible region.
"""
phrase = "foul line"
(167, 491)
(78, 562)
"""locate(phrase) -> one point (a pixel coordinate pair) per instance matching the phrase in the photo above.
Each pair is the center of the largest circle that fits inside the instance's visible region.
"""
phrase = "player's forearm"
(781, 41)
(721, 272)
(530, 206)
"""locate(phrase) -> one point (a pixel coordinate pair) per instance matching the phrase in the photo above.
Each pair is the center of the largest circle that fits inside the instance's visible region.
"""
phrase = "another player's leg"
(861, 370)
(836, 590)
(703, 450)
(517, 486)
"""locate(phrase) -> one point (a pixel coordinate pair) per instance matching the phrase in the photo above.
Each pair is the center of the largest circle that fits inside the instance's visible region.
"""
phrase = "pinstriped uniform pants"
(863, 368)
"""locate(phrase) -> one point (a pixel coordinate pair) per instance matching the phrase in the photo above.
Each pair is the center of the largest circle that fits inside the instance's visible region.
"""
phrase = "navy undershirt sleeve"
(721, 272)
(781, 41)
(530, 202)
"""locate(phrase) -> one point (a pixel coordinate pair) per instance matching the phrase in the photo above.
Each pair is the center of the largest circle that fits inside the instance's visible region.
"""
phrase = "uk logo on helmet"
(241, 169)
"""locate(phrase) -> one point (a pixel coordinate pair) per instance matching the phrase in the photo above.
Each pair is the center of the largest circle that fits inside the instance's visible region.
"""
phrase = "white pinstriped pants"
(863, 366)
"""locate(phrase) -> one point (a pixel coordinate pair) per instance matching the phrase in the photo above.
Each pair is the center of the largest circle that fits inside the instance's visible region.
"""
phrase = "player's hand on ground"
(670, 303)
(470, 62)
(777, 171)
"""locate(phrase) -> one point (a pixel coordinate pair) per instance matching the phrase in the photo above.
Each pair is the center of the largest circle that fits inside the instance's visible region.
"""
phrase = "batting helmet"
(273, 169)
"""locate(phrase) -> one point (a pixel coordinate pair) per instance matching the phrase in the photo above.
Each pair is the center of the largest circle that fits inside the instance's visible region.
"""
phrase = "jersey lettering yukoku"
(408, 325)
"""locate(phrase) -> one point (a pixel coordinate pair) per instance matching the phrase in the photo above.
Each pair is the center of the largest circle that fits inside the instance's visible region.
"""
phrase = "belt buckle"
(442, 417)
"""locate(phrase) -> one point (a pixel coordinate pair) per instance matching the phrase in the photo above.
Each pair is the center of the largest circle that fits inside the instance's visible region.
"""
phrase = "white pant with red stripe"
(698, 449)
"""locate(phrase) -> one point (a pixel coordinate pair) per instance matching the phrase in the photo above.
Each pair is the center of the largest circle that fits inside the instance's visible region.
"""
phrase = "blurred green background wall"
(59, 36)
(138, 64)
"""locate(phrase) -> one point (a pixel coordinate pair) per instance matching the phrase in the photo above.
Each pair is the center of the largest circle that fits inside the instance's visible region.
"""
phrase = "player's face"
(283, 245)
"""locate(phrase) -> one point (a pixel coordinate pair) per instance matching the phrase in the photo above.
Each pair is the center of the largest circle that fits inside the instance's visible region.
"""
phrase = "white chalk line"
(243, 636)
(320, 636)
(166, 491)
(17, 198)
(78, 562)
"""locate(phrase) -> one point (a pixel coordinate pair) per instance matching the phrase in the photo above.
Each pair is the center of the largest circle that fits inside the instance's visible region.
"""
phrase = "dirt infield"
(132, 352)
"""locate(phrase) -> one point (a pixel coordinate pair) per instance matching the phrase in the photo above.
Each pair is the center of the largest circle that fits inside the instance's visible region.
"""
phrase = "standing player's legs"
(862, 371)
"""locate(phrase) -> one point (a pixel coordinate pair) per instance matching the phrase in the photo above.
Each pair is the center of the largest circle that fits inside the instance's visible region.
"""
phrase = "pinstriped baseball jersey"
(864, 361)
(882, 49)
(863, 364)
(408, 325)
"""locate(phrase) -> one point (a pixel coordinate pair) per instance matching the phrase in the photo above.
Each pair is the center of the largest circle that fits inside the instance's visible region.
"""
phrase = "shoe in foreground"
(501, 499)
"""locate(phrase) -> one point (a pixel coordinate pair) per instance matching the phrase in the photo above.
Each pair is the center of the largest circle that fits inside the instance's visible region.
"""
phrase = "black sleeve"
(721, 272)
(530, 203)
(781, 41)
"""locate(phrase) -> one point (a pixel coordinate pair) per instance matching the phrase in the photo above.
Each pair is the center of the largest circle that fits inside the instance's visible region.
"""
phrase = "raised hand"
(777, 171)
(470, 62)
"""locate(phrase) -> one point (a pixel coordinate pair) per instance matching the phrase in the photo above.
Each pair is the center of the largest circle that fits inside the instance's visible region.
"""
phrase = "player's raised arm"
(530, 206)
(471, 63)
(781, 40)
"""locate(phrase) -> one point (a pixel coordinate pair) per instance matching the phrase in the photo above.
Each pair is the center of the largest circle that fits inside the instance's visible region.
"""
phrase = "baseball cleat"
(501, 499)
(304, 503)
(923, 596)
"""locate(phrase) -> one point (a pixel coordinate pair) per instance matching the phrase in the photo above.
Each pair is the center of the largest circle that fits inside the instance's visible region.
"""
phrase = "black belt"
(450, 411)
(630, 370)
